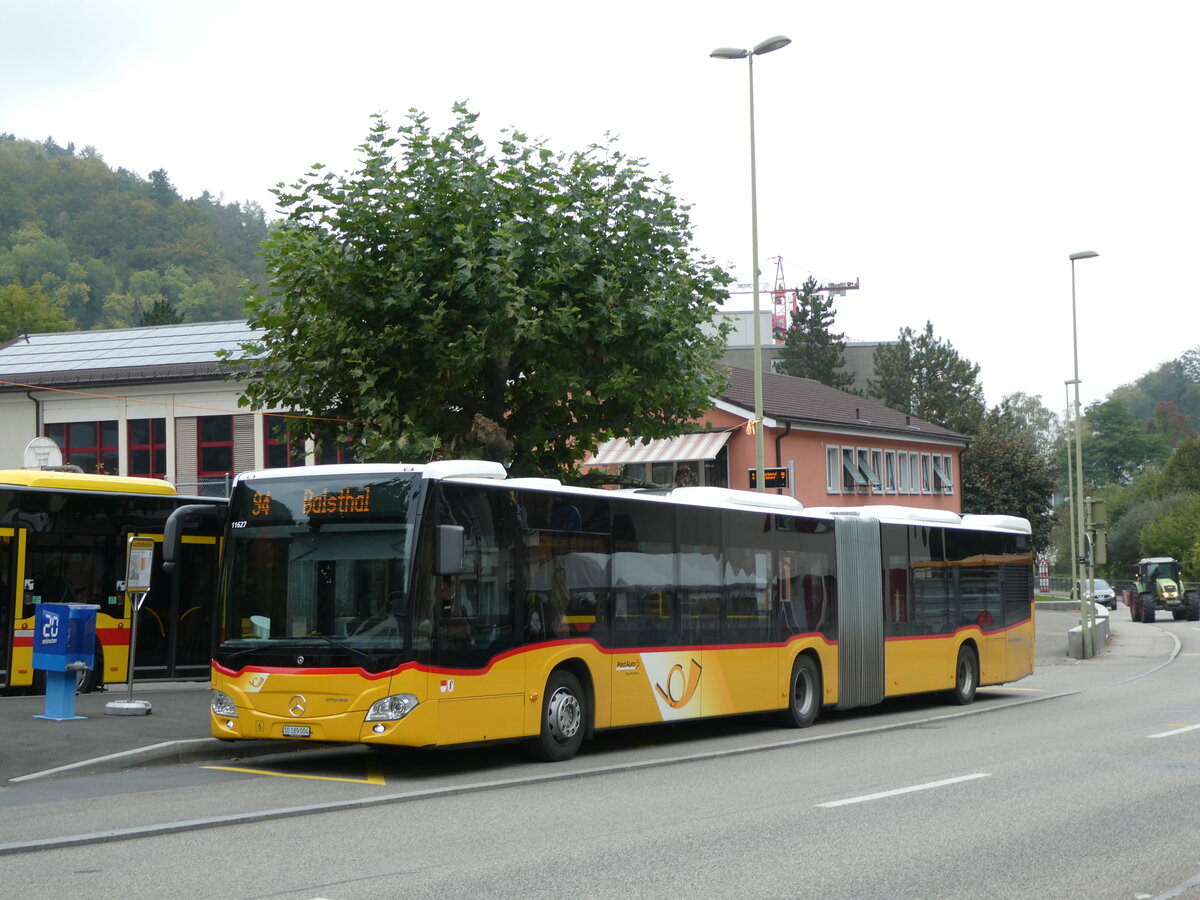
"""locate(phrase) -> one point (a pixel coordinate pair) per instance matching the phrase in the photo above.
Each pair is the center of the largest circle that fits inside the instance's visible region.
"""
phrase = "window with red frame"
(282, 451)
(90, 445)
(148, 448)
(214, 445)
(332, 450)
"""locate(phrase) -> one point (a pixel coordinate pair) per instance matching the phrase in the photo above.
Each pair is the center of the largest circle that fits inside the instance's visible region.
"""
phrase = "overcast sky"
(951, 155)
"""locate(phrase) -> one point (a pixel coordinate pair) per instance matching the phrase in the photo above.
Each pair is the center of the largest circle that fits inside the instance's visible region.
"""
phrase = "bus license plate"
(297, 731)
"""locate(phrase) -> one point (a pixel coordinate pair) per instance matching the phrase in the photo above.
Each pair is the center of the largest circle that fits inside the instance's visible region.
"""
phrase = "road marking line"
(1176, 729)
(373, 776)
(908, 790)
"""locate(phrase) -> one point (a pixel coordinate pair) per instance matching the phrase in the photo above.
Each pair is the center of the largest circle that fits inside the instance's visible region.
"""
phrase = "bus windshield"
(321, 567)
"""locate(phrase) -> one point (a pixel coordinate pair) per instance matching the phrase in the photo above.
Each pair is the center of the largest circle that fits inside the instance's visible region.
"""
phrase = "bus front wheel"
(563, 717)
(804, 696)
(966, 675)
(88, 680)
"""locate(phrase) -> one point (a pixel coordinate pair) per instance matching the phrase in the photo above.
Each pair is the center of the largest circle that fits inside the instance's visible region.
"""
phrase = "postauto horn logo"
(677, 689)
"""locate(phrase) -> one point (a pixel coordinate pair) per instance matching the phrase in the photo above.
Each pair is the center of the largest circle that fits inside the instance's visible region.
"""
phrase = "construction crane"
(786, 300)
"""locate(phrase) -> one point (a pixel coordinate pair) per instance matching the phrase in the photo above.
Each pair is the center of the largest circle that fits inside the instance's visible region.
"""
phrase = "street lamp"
(1070, 491)
(1087, 643)
(773, 43)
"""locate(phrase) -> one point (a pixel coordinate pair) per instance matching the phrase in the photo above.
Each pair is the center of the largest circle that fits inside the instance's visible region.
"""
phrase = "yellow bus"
(446, 604)
(63, 538)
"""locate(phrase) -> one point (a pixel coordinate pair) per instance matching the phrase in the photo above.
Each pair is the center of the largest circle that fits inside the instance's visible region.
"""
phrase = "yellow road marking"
(373, 775)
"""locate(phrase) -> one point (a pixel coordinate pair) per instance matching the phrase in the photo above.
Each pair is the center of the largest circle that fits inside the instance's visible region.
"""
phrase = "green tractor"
(1157, 585)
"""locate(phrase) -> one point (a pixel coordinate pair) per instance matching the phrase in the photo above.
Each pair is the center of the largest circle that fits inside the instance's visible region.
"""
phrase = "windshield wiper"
(238, 654)
(362, 654)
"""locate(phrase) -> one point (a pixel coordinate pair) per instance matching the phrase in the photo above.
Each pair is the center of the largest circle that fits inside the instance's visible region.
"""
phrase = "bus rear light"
(392, 709)
(223, 705)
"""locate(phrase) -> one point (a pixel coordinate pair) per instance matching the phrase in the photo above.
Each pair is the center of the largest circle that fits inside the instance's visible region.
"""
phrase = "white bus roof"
(484, 472)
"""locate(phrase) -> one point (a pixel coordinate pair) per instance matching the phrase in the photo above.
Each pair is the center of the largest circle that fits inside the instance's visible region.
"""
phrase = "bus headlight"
(222, 705)
(391, 709)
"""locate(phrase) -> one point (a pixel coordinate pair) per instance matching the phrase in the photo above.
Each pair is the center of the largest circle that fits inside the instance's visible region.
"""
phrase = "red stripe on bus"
(113, 637)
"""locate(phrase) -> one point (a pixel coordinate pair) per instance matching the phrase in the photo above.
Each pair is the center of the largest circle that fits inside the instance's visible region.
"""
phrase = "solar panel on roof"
(163, 345)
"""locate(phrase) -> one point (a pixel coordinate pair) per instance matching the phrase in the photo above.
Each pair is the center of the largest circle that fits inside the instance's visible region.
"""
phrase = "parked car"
(1104, 594)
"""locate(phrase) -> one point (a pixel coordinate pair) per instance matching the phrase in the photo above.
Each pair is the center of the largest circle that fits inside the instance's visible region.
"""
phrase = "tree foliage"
(83, 236)
(810, 348)
(1004, 471)
(1027, 415)
(1116, 445)
(926, 377)
(1125, 533)
(1176, 534)
(521, 307)
(1176, 381)
(1182, 471)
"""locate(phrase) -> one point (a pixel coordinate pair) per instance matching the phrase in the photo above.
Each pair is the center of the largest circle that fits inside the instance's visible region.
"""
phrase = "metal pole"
(759, 452)
(1086, 649)
(1070, 492)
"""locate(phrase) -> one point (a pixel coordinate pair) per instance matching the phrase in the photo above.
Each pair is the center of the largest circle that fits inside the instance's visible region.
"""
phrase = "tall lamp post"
(773, 43)
(1070, 490)
(1087, 643)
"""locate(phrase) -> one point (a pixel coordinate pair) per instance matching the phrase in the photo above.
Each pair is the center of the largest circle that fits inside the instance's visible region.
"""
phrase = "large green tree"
(1116, 445)
(926, 377)
(521, 307)
(1182, 471)
(1029, 415)
(810, 348)
(1004, 471)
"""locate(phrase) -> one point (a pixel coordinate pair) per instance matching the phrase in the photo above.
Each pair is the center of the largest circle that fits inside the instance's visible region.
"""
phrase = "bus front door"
(174, 629)
(12, 595)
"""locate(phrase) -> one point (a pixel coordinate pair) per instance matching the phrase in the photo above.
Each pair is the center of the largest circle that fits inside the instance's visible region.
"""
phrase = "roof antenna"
(27, 337)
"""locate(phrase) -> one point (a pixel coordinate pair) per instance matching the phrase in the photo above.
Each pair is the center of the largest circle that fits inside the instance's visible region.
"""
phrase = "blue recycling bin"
(64, 641)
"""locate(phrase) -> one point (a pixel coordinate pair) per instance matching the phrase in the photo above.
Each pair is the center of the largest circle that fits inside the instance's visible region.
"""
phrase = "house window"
(331, 450)
(852, 476)
(943, 481)
(214, 447)
(889, 471)
(148, 448)
(914, 473)
(866, 465)
(902, 471)
(281, 451)
(926, 475)
(833, 470)
(90, 445)
(708, 472)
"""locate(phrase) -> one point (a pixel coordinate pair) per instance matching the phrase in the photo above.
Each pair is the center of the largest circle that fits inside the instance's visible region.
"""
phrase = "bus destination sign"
(324, 503)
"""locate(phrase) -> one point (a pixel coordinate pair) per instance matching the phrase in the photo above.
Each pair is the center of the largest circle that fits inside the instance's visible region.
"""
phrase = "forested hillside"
(83, 246)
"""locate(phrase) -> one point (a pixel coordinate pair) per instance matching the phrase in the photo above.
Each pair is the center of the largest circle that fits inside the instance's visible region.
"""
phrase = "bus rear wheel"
(564, 709)
(804, 695)
(966, 675)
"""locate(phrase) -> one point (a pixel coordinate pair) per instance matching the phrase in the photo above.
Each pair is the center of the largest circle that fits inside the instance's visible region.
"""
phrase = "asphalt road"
(1063, 785)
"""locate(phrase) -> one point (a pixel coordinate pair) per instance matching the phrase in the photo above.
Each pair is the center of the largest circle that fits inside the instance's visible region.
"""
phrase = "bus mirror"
(178, 522)
(448, 550)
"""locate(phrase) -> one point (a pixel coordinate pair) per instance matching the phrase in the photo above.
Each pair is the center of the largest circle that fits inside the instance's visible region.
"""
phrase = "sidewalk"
(177, 727)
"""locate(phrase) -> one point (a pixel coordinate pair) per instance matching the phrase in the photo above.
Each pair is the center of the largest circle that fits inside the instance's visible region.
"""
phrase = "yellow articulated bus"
(445, 604)
(63, 538)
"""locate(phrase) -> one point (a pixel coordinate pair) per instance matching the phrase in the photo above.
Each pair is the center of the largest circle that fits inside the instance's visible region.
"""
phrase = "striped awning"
(684, 448)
